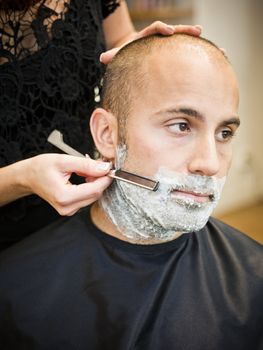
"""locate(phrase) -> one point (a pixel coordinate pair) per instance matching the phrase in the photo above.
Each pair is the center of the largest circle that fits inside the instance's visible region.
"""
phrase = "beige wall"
(237, 26)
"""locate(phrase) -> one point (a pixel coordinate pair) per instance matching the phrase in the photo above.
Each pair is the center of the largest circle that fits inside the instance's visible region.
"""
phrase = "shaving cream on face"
(140, 214)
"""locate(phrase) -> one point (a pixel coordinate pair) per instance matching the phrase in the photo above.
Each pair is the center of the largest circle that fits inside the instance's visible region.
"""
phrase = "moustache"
(172, 181)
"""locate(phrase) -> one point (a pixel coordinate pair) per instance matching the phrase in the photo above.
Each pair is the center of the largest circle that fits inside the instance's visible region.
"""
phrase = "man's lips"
(197, 197)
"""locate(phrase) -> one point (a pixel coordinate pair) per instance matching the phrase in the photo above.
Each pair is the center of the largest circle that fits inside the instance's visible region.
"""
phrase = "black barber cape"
(71, 286)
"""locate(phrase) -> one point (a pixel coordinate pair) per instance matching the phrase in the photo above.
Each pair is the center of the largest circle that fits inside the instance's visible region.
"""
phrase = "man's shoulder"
(232, 234)
(234, 247)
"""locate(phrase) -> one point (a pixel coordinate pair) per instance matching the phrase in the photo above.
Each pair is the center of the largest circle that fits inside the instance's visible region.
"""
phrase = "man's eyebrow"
(231, 121)
(194, 113)
(188, 111)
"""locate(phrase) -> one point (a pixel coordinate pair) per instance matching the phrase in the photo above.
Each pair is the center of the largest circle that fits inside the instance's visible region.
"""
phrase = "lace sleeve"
(109, 6)
(49, 78)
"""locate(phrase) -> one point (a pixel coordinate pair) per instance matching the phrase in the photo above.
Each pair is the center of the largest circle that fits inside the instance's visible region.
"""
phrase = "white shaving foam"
(140, 214)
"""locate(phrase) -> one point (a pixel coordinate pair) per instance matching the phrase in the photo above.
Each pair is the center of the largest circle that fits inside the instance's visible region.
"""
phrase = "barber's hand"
(154, 28)
(48, 176)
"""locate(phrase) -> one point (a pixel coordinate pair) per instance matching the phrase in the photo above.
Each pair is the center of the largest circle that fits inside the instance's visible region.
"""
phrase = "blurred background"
(236, 26)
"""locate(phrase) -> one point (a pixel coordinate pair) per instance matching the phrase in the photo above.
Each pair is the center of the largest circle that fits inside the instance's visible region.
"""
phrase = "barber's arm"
(48, 175)
(119, 30)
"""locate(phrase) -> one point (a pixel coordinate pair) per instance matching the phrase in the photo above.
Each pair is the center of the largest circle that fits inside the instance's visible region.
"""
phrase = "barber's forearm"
(118, 27)
(12, 184)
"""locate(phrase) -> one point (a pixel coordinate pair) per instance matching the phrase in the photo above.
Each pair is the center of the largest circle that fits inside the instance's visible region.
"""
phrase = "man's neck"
(102, 221)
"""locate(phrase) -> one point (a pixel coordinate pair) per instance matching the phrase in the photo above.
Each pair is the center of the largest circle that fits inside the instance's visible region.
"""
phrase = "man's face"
(185, 119)
(179, 133)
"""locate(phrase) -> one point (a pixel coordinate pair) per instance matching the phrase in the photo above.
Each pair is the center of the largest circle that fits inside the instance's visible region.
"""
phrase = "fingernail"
(103, 165)
(101, 57)
(198, 26)
(170, 29)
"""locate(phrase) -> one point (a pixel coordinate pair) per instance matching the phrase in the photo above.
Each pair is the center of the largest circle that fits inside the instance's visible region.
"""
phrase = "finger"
(186, 29)
(156, 27)
(72, 197)
(165, 29)
(90, 178)
(81, 204)
(89, 190)
(85, 166)
(107, 56)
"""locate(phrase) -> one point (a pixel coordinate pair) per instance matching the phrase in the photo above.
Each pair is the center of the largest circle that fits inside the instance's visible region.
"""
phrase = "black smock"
(71, 286)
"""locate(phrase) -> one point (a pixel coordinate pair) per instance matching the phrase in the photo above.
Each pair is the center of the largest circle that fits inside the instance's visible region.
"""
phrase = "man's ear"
(104, 130)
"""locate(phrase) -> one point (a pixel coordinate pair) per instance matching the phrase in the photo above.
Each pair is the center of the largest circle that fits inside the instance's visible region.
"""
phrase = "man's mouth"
(192, 195)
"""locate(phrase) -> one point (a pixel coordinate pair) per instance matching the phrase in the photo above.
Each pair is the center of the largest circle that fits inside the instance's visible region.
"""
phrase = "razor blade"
(134, 179)
(56, 139)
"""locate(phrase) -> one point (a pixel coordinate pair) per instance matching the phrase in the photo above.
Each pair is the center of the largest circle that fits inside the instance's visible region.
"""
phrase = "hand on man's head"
(156, 27)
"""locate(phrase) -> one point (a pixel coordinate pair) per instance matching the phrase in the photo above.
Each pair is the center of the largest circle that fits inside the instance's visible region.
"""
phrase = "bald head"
(129, 75)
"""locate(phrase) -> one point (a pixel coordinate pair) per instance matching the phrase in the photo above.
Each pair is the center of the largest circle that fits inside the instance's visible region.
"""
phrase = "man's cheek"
(144, 162)
(225, 164)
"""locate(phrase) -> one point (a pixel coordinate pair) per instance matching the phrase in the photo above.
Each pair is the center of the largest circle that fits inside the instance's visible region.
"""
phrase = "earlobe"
(104, 130)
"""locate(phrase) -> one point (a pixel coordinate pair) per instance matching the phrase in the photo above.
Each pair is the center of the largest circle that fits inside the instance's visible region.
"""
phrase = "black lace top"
(49, 78)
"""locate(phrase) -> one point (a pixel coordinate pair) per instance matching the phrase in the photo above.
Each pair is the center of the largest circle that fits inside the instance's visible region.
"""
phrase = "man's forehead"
(188, 80)
(185, 71)
(182, 53)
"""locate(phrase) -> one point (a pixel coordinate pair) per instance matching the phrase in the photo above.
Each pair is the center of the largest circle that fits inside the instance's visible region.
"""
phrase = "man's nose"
(204, 160)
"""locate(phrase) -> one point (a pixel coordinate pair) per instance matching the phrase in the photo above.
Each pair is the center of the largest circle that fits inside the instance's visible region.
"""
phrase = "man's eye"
(225, 135)
(179, 127)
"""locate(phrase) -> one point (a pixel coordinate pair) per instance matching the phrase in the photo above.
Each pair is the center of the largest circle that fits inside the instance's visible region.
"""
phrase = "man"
(146, 269)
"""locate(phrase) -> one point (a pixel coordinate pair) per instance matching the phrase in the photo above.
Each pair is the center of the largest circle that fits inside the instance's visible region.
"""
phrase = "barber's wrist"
(22, 176)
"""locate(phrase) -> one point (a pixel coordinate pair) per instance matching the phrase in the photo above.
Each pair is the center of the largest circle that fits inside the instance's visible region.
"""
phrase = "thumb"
(107, 56)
